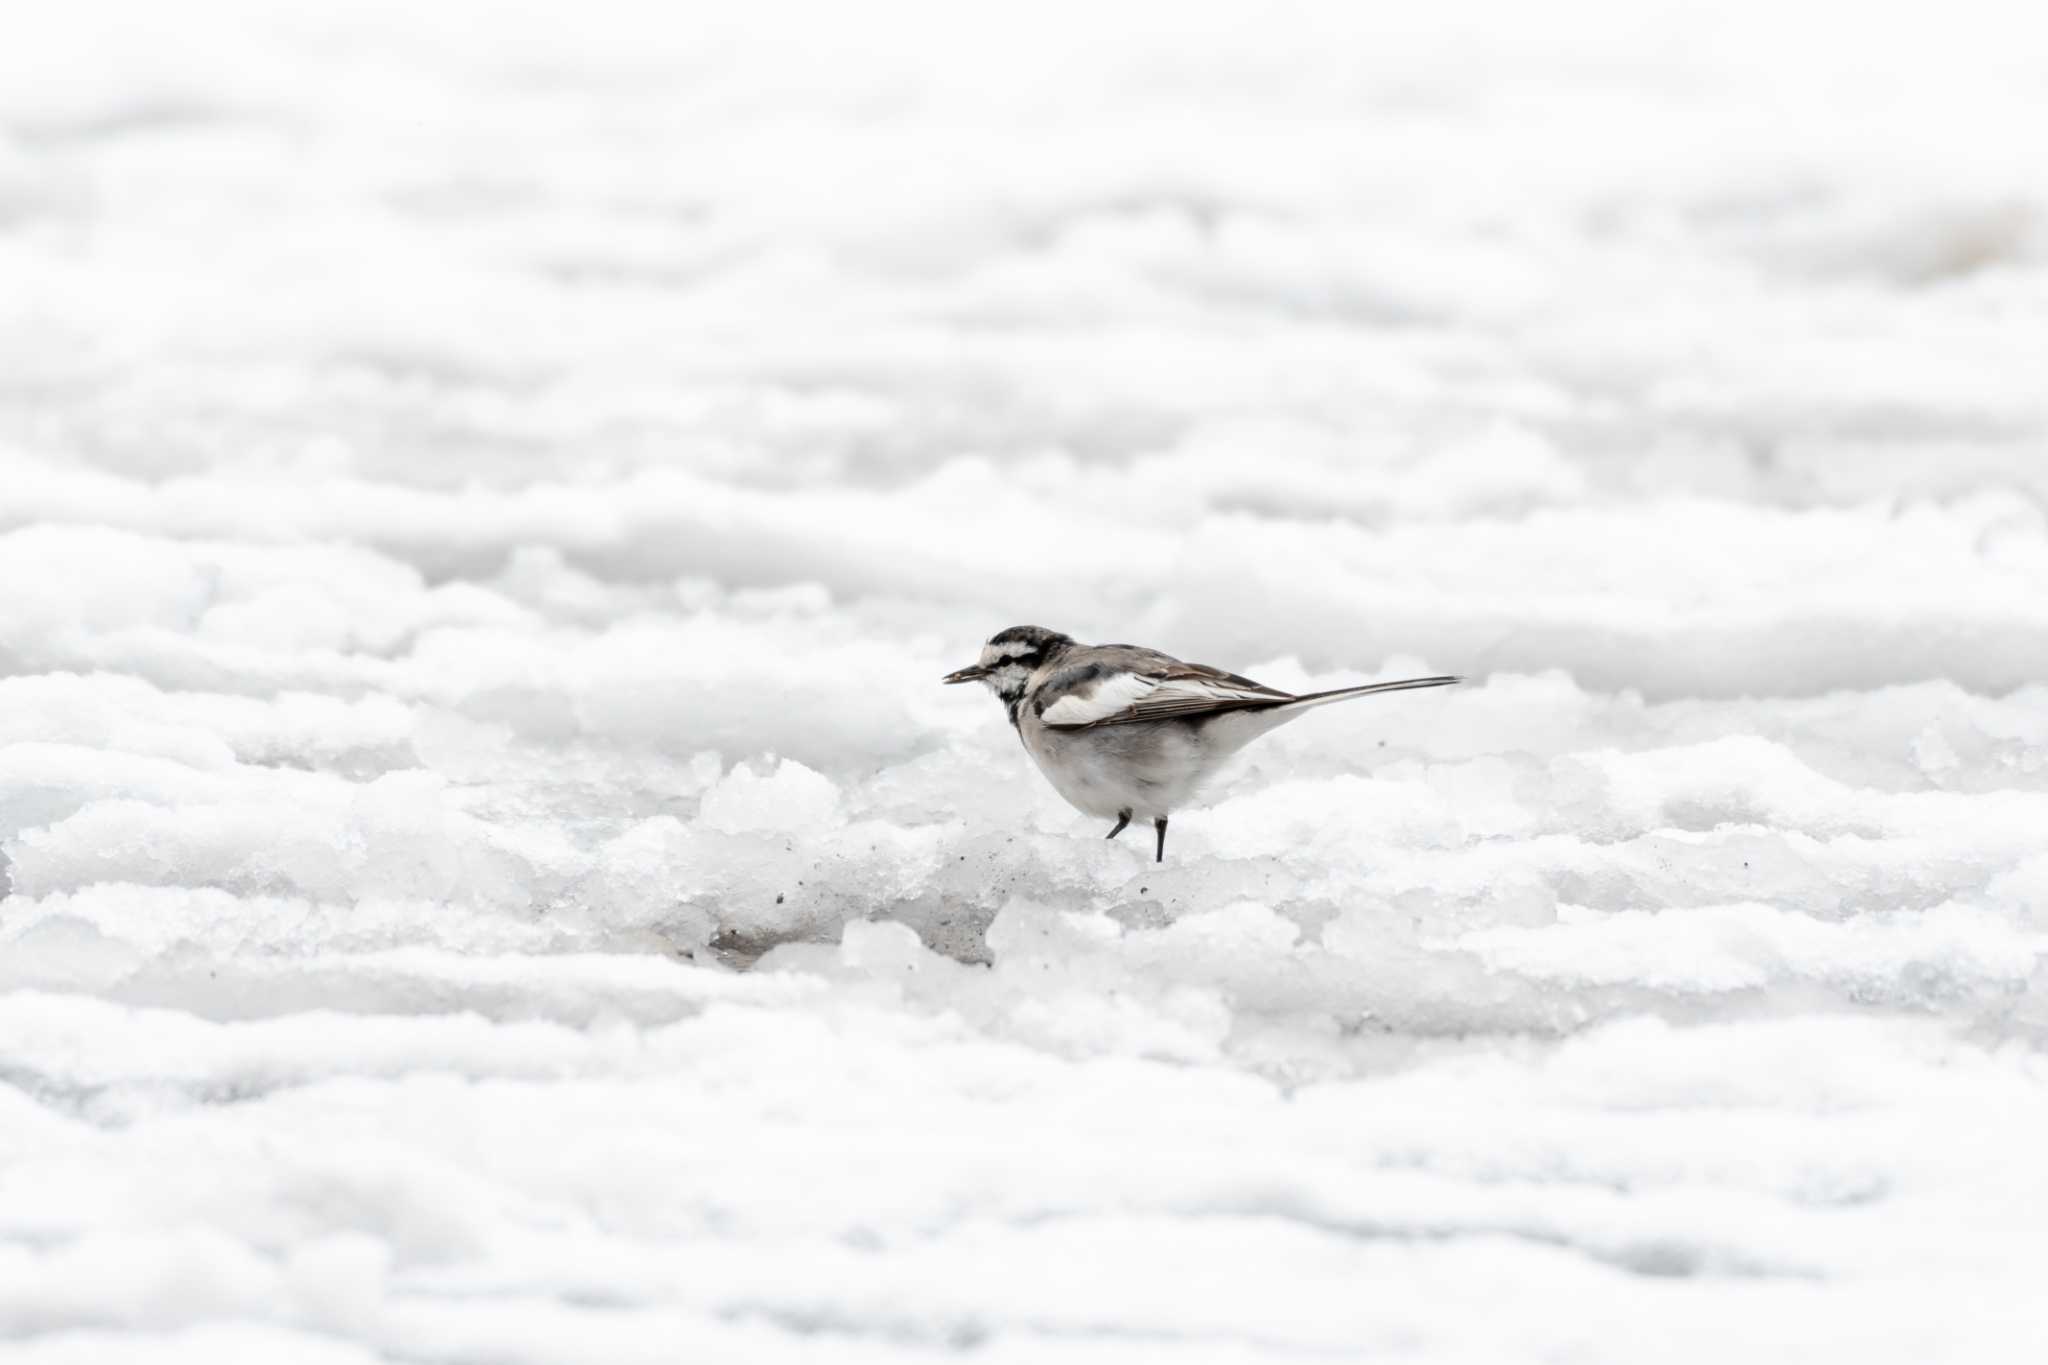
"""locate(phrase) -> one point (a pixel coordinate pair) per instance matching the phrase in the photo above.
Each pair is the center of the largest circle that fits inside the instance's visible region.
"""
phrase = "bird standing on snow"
(1125, 732)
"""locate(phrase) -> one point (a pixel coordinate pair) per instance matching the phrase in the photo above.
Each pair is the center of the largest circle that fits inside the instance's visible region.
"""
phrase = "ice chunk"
(787, 797)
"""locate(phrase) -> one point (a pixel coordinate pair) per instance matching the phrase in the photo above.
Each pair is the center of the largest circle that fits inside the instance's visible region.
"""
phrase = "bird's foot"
(1123, 817)
(1159, 828)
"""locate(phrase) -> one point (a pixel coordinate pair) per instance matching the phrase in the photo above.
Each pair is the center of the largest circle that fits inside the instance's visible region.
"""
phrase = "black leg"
(1123, 817)
(1159, 828)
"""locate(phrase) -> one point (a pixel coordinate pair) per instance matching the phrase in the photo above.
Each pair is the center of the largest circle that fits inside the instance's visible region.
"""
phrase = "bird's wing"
(1146, 686)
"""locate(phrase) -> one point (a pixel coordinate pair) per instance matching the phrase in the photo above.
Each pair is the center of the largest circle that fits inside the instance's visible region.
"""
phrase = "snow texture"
(487, 495)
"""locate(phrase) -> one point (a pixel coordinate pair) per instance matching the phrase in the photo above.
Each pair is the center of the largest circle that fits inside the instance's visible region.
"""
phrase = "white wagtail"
(1121, 731)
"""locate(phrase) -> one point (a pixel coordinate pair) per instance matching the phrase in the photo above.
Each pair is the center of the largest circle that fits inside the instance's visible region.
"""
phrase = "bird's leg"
(1123, 817)
(1159, 828)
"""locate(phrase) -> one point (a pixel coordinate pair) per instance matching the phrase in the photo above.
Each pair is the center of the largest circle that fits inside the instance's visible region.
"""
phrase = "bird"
(1128, 733)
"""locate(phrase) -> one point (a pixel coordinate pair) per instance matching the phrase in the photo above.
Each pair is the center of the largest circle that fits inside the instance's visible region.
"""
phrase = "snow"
(488, 871)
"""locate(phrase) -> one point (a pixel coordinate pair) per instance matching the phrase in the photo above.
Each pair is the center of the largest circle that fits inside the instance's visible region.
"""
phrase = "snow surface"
(486, 498)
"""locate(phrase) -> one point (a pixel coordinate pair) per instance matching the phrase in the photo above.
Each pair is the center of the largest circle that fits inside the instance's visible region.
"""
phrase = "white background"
(486, 497)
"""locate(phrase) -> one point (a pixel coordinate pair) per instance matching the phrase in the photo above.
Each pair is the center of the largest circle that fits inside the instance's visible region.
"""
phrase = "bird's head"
(1010, 657)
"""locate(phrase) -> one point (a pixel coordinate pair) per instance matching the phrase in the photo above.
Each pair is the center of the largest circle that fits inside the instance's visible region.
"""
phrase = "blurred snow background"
(487, 493)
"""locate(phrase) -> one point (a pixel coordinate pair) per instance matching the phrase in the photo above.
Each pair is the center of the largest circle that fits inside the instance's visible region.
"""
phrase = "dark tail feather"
(1340, 693)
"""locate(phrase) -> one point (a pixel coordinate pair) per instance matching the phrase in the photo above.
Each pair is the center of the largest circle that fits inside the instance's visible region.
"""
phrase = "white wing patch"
(1133, 696)
(1111, 695)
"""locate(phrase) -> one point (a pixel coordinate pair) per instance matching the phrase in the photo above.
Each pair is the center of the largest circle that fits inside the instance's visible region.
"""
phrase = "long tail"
(1302, 703)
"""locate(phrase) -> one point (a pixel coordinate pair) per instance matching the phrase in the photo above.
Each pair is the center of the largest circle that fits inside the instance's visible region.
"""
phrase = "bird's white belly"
(1148, 770)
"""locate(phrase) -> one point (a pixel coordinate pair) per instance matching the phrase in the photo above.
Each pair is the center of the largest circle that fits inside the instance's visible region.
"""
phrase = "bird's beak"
(967, 674)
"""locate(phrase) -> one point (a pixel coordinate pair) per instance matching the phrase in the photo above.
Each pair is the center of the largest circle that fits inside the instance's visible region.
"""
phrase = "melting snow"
(489, 871)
